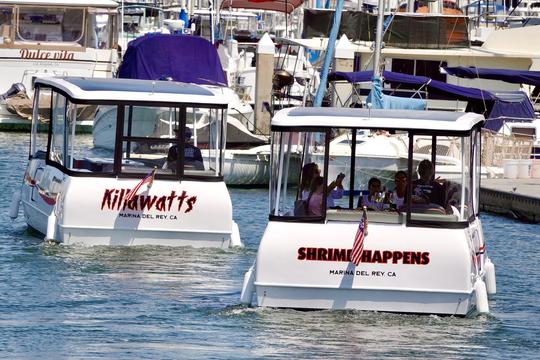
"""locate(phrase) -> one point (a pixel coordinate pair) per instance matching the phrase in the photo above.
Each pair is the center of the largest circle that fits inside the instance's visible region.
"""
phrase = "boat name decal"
(368, 256)
(46, 55)
(114, 199)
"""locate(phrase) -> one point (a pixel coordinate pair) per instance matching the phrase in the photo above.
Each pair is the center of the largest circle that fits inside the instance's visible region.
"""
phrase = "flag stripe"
(147, 179)
(358, 245)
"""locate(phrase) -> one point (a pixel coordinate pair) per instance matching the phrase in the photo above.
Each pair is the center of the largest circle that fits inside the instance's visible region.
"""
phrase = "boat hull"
(93, 211)
(403, 269)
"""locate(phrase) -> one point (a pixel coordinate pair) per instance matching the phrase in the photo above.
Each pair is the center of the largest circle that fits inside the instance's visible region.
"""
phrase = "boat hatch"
(130, 138)
(412, 176)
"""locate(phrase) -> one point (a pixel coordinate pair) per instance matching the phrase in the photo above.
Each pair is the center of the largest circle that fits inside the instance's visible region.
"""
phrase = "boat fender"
(248, 287)
(14, 206)
(491, 284)
(51, 227)
(235, 236)
(482, 304)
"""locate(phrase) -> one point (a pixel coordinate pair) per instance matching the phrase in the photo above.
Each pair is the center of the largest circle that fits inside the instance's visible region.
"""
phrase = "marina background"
(160, 302)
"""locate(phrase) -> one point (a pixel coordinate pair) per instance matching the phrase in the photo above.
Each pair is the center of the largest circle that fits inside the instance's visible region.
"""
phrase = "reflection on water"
(159, 302)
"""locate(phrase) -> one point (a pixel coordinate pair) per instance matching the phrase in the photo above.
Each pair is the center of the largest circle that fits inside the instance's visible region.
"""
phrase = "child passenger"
(315, 196)
(334, 189)
(374, 199)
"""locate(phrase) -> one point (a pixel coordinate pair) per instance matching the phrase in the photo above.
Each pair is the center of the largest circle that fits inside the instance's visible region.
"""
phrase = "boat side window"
(57, 151)
(6, 17)
(41, 119)
(100, 29)
(442, 177)
(203, 141)
(82, 153)
(42, 24)
(297, 183)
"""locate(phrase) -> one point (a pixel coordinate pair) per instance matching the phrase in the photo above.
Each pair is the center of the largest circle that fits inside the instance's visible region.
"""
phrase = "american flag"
(358, 246)
(148, 179)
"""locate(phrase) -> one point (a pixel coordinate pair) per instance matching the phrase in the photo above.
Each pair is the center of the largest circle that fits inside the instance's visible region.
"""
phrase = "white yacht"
(52, 38)
(147, 190)
(425, 255)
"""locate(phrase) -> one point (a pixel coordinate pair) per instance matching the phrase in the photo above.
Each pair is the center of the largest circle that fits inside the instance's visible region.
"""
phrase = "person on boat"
(396, 198)
(192, 155)
(335, 188)
(315, 197)
(427, 191)
(374, 199)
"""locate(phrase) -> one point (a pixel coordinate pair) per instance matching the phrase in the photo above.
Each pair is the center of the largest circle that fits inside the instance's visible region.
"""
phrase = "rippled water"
(158, 302)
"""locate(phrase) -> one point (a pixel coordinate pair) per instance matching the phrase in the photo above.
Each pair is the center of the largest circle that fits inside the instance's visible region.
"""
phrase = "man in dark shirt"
(426, 190)
(192, 155)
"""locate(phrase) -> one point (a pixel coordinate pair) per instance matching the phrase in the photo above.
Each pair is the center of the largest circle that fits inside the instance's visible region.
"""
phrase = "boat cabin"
(396, 141)
(398, 188)
(150, 128)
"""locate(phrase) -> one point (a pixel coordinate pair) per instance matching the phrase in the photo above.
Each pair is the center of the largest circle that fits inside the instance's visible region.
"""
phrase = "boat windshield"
(177, 141)
(398, 176)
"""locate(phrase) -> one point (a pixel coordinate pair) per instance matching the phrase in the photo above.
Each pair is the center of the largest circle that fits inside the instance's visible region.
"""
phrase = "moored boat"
(423, 254)
(52, 38)
(150, 189)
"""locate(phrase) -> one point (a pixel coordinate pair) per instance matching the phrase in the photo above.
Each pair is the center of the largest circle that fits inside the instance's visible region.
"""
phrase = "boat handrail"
(387, 217)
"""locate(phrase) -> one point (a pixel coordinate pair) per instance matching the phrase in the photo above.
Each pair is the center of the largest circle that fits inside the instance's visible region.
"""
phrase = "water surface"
(159, 302)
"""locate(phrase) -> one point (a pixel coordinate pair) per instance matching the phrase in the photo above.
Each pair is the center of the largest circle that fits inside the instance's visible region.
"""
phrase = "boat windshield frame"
(117, 171)
(472, 178)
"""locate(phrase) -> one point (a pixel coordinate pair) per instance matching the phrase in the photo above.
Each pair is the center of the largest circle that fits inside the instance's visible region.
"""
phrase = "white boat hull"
(91, 211)
(305, 266)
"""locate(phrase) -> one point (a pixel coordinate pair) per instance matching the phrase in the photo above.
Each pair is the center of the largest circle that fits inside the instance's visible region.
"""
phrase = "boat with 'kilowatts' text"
(153, 188)
(420, 248)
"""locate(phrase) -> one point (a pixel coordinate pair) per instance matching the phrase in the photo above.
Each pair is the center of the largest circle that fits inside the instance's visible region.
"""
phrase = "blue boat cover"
(379, 100)
(510, 76)
(184, 58)
(510, 106)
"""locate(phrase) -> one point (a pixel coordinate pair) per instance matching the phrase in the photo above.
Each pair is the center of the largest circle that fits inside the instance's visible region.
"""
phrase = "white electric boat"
(427, 255)
(142, 192)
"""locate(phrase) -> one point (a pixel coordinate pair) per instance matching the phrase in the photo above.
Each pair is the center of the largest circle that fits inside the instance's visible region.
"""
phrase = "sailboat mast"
(329, 54)
(378, 40)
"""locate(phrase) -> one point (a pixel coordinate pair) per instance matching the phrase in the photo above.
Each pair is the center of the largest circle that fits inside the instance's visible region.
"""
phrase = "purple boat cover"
(184, 58)
(501, 107)
(441, 88)
(511, 76)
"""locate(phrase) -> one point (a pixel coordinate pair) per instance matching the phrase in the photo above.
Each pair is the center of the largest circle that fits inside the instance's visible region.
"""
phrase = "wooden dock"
(519, 198)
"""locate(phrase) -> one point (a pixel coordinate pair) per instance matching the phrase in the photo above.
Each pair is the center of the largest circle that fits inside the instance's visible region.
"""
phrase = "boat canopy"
(376, 119)
(439, 87)
(506, 75)
(498, 107)
(186, 58)
(286, 6)
(69, 3)
(131, 90)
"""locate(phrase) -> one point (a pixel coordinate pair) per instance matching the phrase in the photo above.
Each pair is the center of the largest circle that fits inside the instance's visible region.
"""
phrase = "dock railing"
(497, 147)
